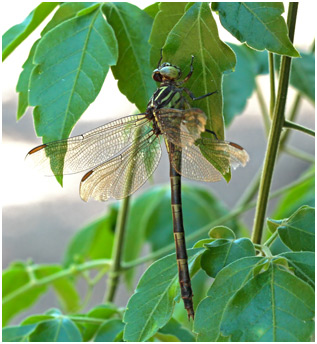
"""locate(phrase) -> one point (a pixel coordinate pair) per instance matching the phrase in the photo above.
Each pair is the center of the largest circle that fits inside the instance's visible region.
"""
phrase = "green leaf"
(94, 241)
(304, 193)
(175, 329)
(17, 333)
(140, 216)
(63, 287)
(72, 62)
(298, 232)
(152, 10)
(273, 225)
(23, 82)
(303, 264)
(15, 277)
(274, 306)
(303, 75)
(58, 329)
(89, 329)
(222, 252)
(110, 331)
(259, 24)
(132, 27)
(221, 232)
(151, 307)
(227, 282)
(18, 33)
(239, 85)
(196, 34)
(168, 15)
(200, 208)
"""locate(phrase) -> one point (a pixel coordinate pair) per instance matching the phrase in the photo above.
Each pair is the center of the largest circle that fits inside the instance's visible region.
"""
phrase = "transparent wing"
(82, 152)
(125, 173)
(208, 160)
(182, 127)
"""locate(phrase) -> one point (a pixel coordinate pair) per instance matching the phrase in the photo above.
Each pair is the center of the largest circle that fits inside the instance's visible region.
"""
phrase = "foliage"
(246, 290)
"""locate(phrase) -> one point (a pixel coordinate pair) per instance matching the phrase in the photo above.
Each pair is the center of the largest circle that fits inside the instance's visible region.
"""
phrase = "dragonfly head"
(166, 71)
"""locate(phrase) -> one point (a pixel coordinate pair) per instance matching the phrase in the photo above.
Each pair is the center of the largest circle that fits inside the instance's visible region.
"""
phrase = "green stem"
(264, 111)
(272, 83)
(270, 240)
(72, 270)
(292, 125)
(299, 154)
(274, 134)
(113, 277)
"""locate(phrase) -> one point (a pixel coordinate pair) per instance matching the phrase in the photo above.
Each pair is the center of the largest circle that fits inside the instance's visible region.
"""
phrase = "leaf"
(200, 208)
(274, 306)
(17, 333)
(94, 241)
(196, 34)
(72, 62)
(132, 27)
(89, 329)
(175, 329)
(303, 75)
(109, 331)
(298, 232)
(269, 30)
(152, 10)
(304, 193)
(168, 15)
(303, 264)
(222, 232)
(65, 11)
(151, 306)
(239, 85)
(227, 282)
(63, 287)
(222, 252)
(15, 277)
(23, 82)
(58, 329)
(18, 33)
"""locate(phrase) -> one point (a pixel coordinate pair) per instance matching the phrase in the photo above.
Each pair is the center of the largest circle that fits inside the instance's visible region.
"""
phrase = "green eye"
(170, 72)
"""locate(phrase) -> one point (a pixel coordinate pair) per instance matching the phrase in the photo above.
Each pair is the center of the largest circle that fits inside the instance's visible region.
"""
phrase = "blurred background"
(39, 217)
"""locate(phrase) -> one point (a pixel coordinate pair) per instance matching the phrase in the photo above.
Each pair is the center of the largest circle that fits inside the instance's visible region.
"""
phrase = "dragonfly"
(120, 156)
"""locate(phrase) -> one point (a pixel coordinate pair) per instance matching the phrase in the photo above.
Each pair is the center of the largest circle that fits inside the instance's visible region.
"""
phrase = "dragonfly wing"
(208, 160)
(125, 173)
(82, 152)
(181, 127)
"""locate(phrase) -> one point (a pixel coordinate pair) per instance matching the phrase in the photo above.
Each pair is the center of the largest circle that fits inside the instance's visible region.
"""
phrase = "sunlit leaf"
(227, 282)
(18, 33)
(151, 307)
(259, 24)
(72, 61)
(274, 306)
(132, 27)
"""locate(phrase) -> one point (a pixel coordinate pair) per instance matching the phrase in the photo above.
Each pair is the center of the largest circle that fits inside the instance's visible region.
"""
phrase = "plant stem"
(272, 83)
(274, 135)
(113, 278)
(264, 111)
(292, 125)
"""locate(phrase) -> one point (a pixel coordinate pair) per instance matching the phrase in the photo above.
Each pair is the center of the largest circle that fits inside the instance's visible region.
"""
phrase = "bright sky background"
(31, 186)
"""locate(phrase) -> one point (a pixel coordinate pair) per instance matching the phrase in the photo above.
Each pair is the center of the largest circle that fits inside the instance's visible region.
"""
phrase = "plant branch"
(272, 83)
(113, 278)
(264, 111)
(274, 135)
(292, 125)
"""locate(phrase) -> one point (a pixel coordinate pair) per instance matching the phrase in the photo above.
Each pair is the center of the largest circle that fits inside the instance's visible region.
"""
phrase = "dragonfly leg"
(191, 70)
(213, 133)
(193, 97)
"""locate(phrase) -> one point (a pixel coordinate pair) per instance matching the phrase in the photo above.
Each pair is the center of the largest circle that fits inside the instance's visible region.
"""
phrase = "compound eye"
(156, 75)
(170, 72)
